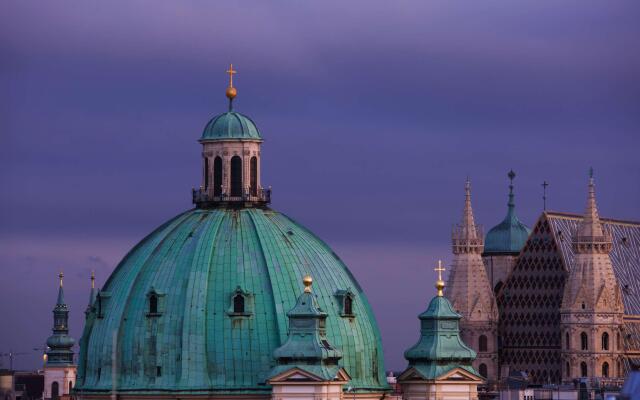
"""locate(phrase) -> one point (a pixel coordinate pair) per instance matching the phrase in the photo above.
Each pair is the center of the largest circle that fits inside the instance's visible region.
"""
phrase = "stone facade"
(470, 292)
(592, 310)
(570, 305)
(247, 151)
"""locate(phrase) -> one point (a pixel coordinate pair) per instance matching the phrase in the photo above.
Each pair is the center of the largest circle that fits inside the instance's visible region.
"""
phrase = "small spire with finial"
(544, 195)
(440, 283)
(231, 91)
(307, 281)
(60, 275)
(93, 279)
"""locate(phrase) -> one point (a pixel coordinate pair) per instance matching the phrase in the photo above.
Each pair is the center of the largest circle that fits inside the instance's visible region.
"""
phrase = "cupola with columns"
(231, 160)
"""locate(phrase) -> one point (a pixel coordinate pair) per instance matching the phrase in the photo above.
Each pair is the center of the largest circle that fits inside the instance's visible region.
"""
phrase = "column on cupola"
(307, 364)
(470, 292)
(440, 363)
(592, 310)
(59, 370)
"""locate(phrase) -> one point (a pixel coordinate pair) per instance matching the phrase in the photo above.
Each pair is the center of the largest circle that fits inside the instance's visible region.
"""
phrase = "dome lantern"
(231, 160)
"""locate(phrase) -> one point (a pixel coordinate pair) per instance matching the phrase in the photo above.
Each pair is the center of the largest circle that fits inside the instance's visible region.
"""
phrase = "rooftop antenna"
(544, 195)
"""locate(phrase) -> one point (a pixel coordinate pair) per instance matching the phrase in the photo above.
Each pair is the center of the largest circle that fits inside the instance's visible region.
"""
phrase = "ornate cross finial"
(231, 91)
(439, 269)
(440, 283)
(93, 279)
(591, 172)
(544, 194)
(231, 72)
(60, 275)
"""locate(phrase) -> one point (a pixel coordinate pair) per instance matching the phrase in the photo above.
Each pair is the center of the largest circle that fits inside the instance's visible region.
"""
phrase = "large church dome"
(200, 304)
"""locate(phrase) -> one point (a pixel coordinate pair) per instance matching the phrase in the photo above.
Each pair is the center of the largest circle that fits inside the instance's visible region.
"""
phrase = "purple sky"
(373, 116)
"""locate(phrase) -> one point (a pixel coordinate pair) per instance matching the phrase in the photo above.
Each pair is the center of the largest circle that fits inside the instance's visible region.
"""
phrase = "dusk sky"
(373, 115)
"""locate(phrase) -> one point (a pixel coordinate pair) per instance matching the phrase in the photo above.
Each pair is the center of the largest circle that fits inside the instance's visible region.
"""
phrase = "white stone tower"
(592, 308)
(470, 292)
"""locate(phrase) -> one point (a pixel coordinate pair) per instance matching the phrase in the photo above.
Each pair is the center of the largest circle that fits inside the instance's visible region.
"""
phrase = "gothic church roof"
(625, 252)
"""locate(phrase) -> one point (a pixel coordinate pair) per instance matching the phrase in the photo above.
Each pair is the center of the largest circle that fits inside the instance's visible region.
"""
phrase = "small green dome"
(197, 339)
(510, 235)
(230, 125)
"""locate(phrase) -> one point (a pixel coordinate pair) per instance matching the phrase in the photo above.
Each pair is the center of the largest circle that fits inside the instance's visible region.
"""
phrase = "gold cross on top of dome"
(231, 71)
(231, 91)
(440, 283)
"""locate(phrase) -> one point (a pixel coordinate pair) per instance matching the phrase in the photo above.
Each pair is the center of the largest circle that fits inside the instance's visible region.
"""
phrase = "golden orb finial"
(60, 275)
(440, 283)
(231, 91)
(308, 281)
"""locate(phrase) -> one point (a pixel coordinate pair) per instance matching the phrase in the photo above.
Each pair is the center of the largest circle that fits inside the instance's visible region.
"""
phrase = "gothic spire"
(591, 226)
(467, 237)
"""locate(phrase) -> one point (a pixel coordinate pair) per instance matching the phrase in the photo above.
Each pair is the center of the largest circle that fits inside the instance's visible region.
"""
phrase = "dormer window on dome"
(231, 160)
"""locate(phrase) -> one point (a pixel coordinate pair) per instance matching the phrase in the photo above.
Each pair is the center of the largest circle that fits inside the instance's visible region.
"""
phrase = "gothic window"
(567, 343)
(584, 344)
(605, 341)
(153, 304)
(158, 371)
(55, 391)
(482, 343)
(254, 176)
(568, 370)
(483, 370)
(583, 369)
(605, 370)
(217, 176)
(70, 386)
(238, 304)
(236, 176)
(206, 173)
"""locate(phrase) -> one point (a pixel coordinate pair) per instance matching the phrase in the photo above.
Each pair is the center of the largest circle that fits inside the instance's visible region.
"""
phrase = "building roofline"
(566, 215)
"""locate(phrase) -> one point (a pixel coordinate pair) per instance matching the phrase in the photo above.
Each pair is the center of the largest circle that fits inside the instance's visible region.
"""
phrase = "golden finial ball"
(307, 280)
(440, 286)
(231, 92)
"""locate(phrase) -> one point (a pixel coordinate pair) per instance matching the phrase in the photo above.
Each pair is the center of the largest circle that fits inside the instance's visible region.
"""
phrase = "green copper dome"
(510, 235)
(200, 305)
(230, 125)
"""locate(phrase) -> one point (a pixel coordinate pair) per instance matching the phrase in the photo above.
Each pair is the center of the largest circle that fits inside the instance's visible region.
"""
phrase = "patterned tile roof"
(625, 253)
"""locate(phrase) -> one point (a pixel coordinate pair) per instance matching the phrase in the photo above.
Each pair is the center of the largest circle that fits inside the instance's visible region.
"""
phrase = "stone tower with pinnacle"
(592, 308)
(469, 290)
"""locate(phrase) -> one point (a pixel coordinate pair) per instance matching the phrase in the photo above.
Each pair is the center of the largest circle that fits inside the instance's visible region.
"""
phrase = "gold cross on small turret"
(440, 283)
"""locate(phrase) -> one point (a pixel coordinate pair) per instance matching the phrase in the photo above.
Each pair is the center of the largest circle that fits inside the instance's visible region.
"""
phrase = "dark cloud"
(373, 116)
